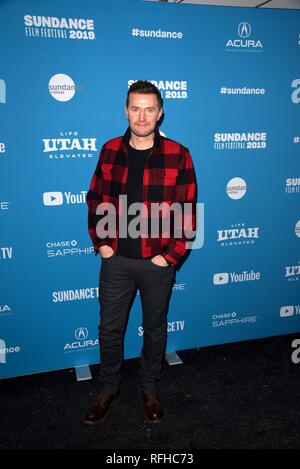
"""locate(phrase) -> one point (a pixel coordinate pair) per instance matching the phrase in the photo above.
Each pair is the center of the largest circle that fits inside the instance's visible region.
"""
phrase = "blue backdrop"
(230, 79)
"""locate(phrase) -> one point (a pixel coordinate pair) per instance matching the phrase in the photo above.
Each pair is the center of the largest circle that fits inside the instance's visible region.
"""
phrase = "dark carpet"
(240, 395)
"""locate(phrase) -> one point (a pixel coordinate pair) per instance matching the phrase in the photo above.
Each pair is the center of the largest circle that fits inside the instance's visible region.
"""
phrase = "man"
(146, 169)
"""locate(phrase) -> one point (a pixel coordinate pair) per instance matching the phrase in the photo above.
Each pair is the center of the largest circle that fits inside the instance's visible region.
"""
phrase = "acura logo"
(81, 333)
(244, 30)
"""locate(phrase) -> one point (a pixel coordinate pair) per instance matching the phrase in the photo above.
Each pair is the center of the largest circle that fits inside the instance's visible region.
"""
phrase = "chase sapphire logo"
(81, 333)
(244, 30)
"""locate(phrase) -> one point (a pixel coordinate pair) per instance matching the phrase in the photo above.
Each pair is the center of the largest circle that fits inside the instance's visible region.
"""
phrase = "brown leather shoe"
(98, 411)
(153, 406)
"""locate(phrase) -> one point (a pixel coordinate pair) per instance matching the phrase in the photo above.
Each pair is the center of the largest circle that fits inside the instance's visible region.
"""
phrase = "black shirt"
(131, 247)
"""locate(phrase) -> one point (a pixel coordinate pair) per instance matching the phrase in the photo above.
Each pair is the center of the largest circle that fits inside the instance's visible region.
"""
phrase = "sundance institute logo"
(236, 188)
(61, 87)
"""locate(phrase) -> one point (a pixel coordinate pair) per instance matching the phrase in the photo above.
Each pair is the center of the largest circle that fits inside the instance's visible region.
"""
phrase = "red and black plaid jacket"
(169, 177)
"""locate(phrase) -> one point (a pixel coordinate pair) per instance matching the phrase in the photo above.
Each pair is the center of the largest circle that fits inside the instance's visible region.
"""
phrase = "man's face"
(142, 113)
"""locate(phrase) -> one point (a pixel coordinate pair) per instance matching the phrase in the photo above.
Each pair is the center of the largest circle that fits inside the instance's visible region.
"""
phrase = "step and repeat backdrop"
(230, 79)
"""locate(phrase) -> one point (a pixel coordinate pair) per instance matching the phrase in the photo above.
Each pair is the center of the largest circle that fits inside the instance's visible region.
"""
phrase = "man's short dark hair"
(144, 87)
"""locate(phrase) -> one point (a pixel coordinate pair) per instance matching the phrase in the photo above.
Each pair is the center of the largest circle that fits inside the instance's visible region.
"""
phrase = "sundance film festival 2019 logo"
(244, 42)
(52, 27)
(240, 140)
(69, 146)
(169, 89)
(292, 186)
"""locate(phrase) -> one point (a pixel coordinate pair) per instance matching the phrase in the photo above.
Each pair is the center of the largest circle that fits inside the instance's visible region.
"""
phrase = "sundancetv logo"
(6, 253)
(174, 326)
(78, 294)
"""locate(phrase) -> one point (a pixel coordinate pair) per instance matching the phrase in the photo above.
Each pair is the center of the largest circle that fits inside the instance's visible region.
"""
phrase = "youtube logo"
(286, 311)
(221, 279)
(53, 198)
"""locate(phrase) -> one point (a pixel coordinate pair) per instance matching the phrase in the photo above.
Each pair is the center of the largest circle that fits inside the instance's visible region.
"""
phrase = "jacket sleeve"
(94, 198)
(186, 196)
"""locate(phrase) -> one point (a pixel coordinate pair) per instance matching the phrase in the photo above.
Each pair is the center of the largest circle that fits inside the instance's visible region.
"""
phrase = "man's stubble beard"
(137, 134)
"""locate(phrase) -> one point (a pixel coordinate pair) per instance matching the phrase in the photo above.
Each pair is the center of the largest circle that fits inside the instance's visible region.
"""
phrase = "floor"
(240, 395)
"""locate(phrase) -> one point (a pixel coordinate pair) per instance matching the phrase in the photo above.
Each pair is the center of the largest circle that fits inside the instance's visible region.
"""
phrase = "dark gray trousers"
(119, 278)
